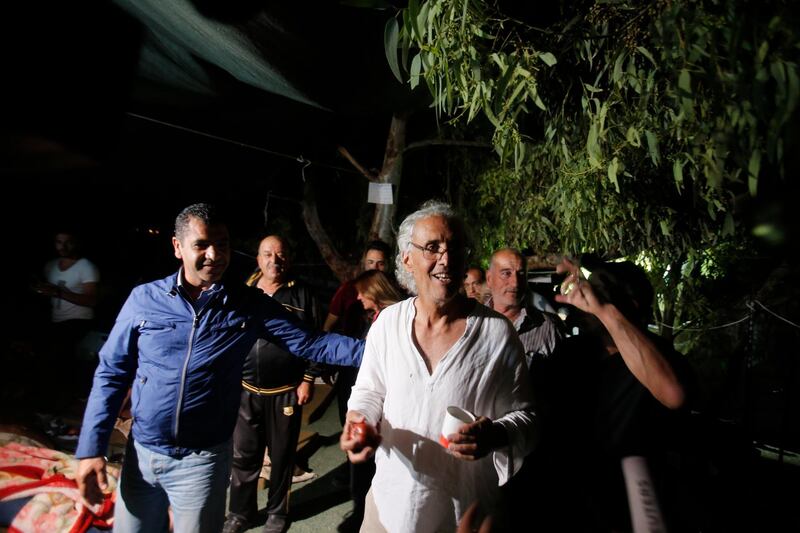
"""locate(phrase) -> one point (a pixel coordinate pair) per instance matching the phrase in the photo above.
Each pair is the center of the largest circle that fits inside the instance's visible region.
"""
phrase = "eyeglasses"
(435, 252)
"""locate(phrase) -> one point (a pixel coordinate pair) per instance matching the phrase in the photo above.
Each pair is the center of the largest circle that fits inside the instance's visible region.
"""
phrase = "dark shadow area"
(323, 494)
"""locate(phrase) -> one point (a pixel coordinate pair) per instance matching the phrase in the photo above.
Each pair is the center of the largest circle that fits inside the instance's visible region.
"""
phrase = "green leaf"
(728, 227)
(612, 172)
(685, 82)
(412, 11)
(422, 20)
(617, 73)
(632, 136)
(518, 89)
(665, 228)
(677, 173)
(652, 146)
(752, 172)
(534, 94)
(390, 39)
(475, 102)
(762, 52)
(592, 148)
(416, 67)
(565, 150)
(642, 50)
(548, 59)
(508, 72)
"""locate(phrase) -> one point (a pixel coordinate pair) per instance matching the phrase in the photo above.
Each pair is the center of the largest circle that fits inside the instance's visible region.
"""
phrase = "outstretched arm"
(640, 354)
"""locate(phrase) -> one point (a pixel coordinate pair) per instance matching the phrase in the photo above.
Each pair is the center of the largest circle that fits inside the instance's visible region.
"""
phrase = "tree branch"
(366, 173)
(445, 142)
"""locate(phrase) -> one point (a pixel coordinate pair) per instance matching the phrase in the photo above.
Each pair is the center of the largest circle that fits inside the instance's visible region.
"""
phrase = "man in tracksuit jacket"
(275, 385)
(180, 342)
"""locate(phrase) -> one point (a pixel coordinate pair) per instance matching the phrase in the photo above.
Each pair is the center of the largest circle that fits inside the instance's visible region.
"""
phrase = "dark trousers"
(361, 475)
(344, 384)
(262, 422)
(68, 376)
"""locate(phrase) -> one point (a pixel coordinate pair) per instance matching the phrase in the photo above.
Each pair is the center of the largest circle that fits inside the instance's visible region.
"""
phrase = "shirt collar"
(523, 314)
(179, 284)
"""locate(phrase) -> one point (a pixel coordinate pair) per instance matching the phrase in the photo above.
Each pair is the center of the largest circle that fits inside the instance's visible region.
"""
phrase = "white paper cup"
(454, 418)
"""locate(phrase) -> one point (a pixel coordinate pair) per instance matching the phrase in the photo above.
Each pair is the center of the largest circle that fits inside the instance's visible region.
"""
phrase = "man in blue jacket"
(180, 343)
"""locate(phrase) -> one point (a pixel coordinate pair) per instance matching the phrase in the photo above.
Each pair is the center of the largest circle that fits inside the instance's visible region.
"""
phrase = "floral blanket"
(48, 476)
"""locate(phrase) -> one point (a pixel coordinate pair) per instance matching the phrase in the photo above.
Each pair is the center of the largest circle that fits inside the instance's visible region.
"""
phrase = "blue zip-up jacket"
(186, 364)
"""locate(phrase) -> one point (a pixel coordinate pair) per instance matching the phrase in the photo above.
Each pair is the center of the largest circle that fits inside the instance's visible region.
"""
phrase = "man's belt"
(268, 392)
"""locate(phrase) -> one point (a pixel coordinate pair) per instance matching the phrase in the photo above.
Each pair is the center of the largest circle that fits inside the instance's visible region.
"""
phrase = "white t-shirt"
(419, 486)
(73, 278)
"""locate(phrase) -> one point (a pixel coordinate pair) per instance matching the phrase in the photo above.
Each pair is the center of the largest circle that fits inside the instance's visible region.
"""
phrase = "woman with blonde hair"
(376, 291)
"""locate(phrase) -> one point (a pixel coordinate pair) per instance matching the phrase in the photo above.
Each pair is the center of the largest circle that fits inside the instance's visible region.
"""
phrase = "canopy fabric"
(179, 40)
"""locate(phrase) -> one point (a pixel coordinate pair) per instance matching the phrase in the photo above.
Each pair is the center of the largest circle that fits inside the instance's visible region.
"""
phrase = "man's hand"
(91, 478)
(468, 523)
(352, 444)
(46, 289)
(581, 295)
(477, 439)
(305, 391)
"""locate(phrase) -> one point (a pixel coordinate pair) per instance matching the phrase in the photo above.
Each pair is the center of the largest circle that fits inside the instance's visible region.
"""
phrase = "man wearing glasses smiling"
(426, 353)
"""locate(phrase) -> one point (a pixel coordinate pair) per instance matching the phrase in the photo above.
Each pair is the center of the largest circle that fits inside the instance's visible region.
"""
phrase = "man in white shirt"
(71, 283)
(422, 355)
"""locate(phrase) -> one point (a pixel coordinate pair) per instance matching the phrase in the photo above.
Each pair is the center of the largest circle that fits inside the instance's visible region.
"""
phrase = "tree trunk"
(382, 226)
(383, 219)
(342, 269)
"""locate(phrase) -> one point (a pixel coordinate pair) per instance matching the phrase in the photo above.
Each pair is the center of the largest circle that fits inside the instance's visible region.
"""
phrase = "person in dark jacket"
(275, 386)
(181, 342)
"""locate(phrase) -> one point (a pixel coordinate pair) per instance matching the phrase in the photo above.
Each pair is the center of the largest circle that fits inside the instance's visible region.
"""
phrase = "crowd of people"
(218, 371)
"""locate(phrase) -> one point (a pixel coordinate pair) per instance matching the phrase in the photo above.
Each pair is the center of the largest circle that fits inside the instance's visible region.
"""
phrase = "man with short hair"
(180, 342)
(426, 353)
(275, 386)
(474, 281)
(71, 283)
(345, 312)
(539, 332)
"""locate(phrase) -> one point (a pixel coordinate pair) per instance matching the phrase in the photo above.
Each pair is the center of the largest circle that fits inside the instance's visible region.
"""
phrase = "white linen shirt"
(419, 486)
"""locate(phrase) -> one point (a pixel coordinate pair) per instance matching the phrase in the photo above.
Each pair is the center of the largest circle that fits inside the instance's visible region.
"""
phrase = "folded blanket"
(48, 476)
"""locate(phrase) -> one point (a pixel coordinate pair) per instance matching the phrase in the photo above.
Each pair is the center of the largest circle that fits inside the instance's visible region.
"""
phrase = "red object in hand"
(364, 435)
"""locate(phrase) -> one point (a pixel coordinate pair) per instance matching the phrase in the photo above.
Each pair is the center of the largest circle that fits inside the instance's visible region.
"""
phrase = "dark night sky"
(71, 153)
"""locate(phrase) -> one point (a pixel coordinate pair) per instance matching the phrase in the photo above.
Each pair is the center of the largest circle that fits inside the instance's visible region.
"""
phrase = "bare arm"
(330, 321)
(641, 356)
(87, 299)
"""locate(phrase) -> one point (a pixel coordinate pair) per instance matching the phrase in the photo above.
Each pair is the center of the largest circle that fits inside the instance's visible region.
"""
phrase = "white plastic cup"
(454, 418)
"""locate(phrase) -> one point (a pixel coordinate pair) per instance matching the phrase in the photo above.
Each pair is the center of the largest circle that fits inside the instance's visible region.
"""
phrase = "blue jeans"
(194, 487)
